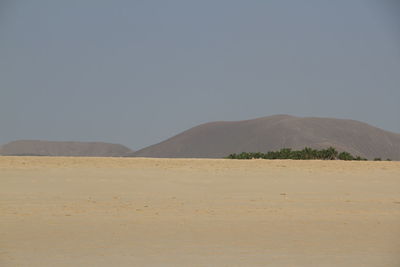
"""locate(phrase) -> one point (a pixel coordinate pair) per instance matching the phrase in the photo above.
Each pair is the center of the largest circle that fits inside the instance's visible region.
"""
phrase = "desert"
(199, 133)
(77, 211)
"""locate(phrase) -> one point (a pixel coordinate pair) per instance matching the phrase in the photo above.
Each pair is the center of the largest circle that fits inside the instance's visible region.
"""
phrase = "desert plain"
(67, 211)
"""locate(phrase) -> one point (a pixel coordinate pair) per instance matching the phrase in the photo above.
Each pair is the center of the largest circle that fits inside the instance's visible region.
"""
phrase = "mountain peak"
(219, 139)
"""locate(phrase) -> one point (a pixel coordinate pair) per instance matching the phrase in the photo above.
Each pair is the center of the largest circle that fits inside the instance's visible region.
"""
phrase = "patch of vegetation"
(304, 154)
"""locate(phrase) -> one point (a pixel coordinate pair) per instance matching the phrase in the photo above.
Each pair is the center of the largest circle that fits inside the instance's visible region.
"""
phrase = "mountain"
(219, 139)
(48, 148)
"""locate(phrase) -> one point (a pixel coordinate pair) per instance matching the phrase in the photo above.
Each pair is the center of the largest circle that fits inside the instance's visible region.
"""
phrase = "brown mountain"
(48, 148)
(219, 139)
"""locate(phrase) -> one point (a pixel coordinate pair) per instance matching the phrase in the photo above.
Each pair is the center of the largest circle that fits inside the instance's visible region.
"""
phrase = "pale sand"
(183, 212)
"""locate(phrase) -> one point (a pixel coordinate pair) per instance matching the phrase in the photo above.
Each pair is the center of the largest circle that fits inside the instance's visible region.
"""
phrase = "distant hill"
(219, 139)
(48, 148)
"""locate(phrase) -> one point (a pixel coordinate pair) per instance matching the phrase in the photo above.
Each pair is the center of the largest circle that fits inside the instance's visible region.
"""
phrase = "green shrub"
(345, 156)
(307, 153)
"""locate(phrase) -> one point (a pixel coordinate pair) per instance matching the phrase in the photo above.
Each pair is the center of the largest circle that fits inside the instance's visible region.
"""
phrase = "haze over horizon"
(138, 72)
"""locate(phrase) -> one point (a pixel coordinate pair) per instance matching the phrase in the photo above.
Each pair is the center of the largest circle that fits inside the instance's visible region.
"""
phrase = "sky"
(138, 72)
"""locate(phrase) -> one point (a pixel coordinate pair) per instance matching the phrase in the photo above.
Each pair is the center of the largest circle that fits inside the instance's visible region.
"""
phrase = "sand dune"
(198, 212)
(219, 139)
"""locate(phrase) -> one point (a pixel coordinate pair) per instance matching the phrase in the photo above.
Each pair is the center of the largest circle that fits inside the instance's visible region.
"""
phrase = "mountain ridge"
(63, 148)
(221, 138)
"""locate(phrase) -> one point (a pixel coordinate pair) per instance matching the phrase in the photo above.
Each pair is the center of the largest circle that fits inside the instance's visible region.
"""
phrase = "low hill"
(49, 148)
(219, 139)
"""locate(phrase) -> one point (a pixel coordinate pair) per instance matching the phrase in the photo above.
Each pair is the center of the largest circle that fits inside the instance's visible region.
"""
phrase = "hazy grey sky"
(138, 72)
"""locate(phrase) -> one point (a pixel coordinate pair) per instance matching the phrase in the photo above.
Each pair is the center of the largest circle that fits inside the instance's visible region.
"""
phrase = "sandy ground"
(183, 212)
